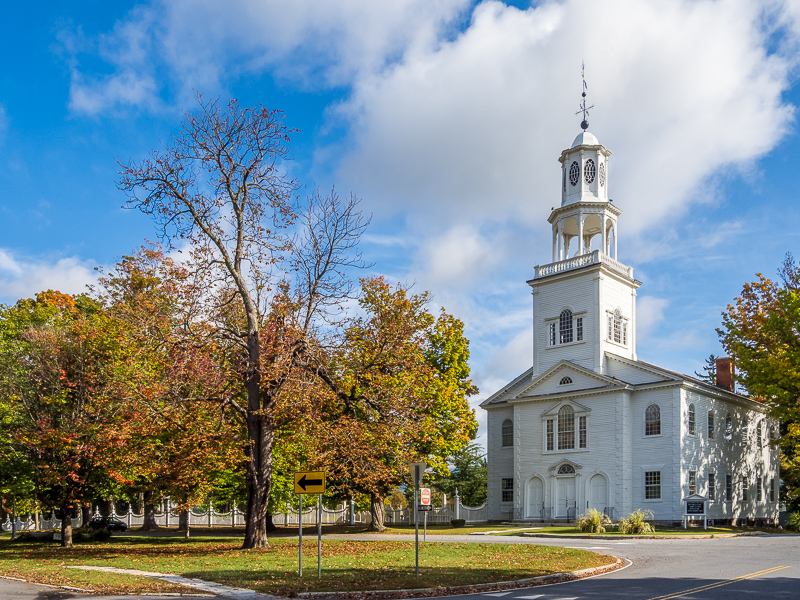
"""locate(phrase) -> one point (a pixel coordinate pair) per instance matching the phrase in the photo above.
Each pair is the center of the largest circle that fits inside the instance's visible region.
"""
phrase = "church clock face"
(588, 171)
(601, 173)
(574, 173)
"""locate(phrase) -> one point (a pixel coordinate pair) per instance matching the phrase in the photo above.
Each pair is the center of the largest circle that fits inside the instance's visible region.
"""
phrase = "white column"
(555, 243)
(581, 247)
(616, 235)
(561, 240)
(604, 234)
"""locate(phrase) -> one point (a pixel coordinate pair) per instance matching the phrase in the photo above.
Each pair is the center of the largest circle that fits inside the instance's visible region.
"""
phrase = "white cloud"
(24, 277)
(184, 45)
(649, 314)
(455, 258)
(470, 130)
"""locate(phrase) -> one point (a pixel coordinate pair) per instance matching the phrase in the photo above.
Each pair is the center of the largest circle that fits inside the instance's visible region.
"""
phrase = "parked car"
(109, 523)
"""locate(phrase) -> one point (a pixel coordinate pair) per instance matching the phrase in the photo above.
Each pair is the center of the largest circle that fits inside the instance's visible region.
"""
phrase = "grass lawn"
(346, 565)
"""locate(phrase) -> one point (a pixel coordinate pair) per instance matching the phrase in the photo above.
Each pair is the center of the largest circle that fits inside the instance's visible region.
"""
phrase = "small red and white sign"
(425, 496)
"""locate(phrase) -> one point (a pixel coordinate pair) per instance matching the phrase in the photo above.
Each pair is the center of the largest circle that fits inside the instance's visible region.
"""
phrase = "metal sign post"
(300, 527)
(416, 519)
(319, 536)
(425, 502)
(417, 471)
(310, 482)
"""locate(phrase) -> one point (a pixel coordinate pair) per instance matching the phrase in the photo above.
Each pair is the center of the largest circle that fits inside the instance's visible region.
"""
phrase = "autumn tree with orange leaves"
(271, 269)
(178, 435)
(398, 389)
(56, 372)
(761, 332)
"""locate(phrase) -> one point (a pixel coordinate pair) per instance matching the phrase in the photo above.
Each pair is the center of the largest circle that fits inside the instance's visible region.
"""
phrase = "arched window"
(691, 420)
(566, 470)
(652, 420)
(728, 427)
(565, 380)
(565, 327)
(617, 328)
(507, 433)
(566, 428)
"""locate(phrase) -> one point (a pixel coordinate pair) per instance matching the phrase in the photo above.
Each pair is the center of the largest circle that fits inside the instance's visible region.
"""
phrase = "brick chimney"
(725, 371)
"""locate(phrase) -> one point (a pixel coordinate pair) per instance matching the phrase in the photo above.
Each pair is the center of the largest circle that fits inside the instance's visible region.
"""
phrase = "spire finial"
(584, 109)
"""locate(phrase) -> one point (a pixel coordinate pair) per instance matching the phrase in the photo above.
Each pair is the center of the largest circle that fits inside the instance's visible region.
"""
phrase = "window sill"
(572, 451)
(564, 345)
(617, 344)
(652, 500)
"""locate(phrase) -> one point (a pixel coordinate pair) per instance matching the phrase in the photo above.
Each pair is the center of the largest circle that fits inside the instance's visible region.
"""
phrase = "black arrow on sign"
(304, 482)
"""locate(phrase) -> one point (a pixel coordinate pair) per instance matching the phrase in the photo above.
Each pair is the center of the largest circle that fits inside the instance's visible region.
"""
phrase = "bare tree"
(219, 185)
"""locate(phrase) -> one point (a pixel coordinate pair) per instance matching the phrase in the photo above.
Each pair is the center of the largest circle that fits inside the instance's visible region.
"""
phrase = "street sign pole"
(425, 534)
(300, 526)
(416, 515)
(319, 536)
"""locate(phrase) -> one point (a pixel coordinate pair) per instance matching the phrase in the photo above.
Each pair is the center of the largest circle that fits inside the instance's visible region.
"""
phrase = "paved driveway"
(661, 569)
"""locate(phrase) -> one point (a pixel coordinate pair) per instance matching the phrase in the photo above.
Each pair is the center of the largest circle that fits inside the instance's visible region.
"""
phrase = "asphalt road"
(660, 569)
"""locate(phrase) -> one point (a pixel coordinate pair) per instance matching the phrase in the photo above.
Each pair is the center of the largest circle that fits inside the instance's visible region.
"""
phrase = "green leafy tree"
(396, 386)
(467, 475)
(761, 332)
(709, 372)
(56, 371)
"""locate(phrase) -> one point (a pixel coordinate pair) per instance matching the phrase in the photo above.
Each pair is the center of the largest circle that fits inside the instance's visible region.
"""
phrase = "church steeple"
(585, 211)
(584, 301)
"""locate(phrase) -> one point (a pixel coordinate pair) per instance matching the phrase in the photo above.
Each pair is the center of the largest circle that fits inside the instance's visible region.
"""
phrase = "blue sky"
(447, 118)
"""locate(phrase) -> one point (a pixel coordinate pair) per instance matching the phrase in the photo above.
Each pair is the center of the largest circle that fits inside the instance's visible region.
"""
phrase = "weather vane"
(584, 109)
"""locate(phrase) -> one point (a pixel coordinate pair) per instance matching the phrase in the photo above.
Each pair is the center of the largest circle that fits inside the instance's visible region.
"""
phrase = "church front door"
(565, 502)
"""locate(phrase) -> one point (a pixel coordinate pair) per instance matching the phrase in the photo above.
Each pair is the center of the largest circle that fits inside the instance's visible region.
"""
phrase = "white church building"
(591, 426)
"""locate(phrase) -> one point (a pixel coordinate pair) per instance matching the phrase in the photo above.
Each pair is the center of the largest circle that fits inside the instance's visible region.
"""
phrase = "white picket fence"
(442, 515)
(167, 516)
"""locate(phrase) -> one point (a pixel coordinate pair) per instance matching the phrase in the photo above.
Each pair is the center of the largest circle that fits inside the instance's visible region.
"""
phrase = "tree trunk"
(261, 432)
(149, 523)
(86, 514)
(377, 510)
(183, 523)
(66, 525)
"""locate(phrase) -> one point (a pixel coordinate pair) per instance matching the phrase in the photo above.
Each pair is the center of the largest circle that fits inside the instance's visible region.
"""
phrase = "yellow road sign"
(309, 482)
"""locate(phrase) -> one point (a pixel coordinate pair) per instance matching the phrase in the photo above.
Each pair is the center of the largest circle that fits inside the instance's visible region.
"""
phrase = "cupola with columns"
(585, 211)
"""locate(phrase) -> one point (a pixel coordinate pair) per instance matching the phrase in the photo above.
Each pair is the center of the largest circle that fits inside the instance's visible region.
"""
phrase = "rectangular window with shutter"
(711, 486)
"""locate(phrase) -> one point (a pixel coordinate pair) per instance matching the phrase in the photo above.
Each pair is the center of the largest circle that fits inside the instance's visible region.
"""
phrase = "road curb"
(469, 589)
(643, 536)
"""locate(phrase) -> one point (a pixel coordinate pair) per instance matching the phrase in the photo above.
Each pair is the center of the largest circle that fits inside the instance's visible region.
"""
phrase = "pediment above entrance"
(577, 408)
(564, 378)
(565, 467)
